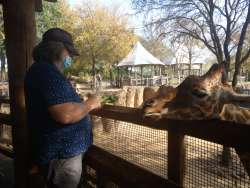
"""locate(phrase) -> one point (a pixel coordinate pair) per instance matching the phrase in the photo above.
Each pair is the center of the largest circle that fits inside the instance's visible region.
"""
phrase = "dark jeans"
(62, 173)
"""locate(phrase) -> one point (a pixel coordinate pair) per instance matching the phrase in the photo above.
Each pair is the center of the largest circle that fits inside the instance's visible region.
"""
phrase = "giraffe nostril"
(150, 102)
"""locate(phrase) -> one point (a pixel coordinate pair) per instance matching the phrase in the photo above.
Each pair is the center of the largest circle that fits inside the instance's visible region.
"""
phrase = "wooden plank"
(20, 33)
(53, 1)
(122, 172)
(38, 5)
(102, 181)
(6, 151)
(5, 119)
(176, 155)
(128, 114)
(5, 99)
(222, 132)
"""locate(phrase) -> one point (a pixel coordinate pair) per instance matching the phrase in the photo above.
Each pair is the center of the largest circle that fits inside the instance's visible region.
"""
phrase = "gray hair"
(48, 51)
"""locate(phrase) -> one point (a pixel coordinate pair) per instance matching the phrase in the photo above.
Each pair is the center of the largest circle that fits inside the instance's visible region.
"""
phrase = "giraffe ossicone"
(199, 98)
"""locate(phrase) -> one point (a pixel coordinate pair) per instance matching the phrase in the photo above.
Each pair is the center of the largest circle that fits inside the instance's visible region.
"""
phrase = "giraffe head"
(196, 98)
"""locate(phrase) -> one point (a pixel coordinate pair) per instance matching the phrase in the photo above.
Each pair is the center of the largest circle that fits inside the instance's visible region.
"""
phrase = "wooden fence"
(125, 174)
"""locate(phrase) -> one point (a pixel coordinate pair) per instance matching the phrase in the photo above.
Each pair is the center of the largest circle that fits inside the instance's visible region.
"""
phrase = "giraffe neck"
(235, 114)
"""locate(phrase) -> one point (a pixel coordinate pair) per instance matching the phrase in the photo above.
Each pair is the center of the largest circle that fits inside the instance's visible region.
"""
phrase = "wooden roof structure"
(20, 39)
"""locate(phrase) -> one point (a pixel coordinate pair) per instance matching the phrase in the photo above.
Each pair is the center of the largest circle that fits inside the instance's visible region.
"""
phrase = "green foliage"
(50, 17)
(109, 99)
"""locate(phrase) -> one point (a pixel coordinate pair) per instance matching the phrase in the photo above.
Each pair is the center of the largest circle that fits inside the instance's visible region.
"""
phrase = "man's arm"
(71, 112)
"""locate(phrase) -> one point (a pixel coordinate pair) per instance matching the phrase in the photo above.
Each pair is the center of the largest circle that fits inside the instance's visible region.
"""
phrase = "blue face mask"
(66, 64)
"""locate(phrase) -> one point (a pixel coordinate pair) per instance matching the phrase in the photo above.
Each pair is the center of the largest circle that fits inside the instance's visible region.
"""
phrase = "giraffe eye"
(150, 102)
(199, 93)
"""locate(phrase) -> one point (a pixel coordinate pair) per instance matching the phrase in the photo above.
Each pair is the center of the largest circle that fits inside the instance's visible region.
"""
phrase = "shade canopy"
(139, 57)
(181, 56)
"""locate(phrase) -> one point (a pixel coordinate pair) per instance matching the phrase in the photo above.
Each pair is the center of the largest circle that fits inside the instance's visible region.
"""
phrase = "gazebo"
(180, 61)
(139, 57)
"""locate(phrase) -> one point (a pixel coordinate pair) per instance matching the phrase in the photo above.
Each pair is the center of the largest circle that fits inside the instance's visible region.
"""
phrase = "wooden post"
(102, 181)
(20, 34)
(1, 125)
(147, 82)
(141, 75)
(121, 82)
(118, 76)
(176, 155)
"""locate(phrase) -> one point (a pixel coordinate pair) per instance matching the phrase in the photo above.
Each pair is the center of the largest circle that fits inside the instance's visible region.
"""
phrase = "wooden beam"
(122, 172)
(20, 31)
(5, 119)
(53, 1)
(6, 151)
(5, 99)
(176, 155)
(38, 5)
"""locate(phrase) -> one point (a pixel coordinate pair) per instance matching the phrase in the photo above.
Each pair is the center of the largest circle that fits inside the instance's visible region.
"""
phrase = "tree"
(50, 17)
(211, 22)
(101, 34)
(2, 47)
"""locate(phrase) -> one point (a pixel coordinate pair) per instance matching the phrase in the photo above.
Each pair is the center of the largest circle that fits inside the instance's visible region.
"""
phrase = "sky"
(125, 4)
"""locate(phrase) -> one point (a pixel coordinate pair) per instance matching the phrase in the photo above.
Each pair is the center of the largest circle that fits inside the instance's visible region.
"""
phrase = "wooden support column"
(176, 155)
(20, 32)
(141, 75)
(118, 76)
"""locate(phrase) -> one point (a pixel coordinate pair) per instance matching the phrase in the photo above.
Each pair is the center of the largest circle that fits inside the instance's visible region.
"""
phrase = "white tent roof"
(138, 57)
(180, 56)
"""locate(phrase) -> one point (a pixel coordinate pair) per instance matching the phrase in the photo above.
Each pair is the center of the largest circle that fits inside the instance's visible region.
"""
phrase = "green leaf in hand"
(109, 99)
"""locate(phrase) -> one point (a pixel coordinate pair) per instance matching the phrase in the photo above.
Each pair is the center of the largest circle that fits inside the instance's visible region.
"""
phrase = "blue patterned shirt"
(45, 86)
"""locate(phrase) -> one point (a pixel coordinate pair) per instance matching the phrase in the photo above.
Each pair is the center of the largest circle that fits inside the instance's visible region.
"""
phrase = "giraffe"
(200, 98)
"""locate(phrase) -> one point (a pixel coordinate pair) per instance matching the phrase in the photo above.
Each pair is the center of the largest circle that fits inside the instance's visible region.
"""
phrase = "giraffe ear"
(241, 101)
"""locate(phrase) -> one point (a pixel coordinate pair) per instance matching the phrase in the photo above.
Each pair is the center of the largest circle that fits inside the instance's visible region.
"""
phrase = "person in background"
(99, 78)
(77, 87)
(57, 118)
(91, 84)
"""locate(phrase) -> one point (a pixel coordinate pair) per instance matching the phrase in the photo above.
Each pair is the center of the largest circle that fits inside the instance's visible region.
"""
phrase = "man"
(57, 118)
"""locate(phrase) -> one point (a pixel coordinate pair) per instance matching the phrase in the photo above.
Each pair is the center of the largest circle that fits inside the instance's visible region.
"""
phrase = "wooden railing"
(4, 119)
(144, 81)
(125, 174)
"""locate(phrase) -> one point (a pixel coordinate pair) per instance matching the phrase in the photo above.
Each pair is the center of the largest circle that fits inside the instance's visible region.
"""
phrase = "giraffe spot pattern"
(240, 118)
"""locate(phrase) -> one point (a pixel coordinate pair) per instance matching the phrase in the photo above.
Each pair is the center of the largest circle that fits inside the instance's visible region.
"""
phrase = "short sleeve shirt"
(45, 86)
